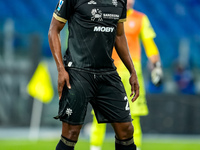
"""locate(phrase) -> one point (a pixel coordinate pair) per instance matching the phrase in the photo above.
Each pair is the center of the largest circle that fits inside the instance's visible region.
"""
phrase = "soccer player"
(87, 72)
(137, 27)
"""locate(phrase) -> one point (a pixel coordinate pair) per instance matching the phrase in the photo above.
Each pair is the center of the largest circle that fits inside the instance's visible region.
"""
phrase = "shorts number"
(127, 104)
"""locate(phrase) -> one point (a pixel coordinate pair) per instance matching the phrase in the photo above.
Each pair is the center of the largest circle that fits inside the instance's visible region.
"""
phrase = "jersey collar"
(130, 11)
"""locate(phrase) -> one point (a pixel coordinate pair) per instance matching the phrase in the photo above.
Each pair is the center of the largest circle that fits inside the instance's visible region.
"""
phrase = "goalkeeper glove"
(156, 74)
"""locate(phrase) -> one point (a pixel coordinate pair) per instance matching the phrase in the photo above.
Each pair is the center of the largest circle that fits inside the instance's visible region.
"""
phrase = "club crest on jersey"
(114, 2)
(96, 14)
(92, 2)
(60, 5)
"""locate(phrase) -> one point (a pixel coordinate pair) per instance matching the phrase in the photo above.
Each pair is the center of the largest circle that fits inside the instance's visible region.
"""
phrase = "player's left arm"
(121, 47)
(147, 35)
(154, 57)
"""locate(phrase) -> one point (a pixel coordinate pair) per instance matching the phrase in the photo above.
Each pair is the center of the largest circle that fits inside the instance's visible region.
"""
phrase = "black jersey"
(92, 29)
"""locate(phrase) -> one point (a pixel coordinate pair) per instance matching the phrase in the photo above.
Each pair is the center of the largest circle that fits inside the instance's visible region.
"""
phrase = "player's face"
(130, 4)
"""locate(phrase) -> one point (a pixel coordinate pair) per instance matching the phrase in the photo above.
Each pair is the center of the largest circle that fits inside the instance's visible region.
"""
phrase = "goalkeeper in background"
(137, 27)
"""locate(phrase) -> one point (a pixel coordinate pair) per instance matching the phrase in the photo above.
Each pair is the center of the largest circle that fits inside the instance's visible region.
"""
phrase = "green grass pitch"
(83, 144)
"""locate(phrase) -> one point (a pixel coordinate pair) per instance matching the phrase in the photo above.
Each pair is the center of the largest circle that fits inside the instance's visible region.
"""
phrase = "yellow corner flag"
(40, 85)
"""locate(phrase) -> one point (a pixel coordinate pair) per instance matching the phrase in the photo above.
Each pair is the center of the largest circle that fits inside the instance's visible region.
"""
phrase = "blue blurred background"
(174, 106)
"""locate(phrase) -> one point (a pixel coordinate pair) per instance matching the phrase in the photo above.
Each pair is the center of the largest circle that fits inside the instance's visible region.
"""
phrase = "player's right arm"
(55, 46)
(62, 13)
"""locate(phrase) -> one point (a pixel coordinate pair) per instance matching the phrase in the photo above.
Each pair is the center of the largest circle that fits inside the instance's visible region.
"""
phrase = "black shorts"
(104, 91)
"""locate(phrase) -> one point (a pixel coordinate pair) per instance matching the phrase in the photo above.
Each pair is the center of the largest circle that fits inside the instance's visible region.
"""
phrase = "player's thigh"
(111, 103)
(74, 101)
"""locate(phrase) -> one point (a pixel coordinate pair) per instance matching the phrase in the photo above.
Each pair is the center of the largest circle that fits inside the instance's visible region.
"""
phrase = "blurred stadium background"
(174, 106)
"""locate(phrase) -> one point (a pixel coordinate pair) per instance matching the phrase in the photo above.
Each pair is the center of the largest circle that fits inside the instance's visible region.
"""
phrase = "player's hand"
(134, 87)
(63, 78)
(156, 74)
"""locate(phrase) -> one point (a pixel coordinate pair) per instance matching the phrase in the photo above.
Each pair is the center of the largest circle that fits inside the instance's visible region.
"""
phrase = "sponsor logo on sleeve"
(60, 5)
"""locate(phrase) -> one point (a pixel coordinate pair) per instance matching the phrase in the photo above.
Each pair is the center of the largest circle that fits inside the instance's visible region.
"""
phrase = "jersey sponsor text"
(103, 29)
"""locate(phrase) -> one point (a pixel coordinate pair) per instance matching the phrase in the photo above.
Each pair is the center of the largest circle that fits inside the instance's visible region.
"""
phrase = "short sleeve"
(64, 9)
(123, 16)
(147, 30)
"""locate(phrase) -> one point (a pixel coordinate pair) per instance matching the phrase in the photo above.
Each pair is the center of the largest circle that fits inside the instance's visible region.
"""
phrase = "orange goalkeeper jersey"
(137, 27)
